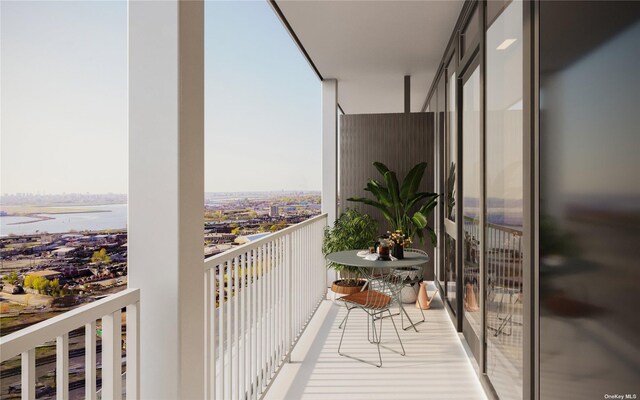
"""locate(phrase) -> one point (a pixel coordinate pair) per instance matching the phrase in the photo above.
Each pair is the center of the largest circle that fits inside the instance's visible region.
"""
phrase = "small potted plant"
(352, 231)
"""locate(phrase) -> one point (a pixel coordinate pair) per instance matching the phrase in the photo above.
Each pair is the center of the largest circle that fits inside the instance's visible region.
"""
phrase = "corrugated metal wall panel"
(398, 140)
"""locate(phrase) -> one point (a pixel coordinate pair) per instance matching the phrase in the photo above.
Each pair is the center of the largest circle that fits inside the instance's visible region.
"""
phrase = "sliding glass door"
(504, 201)
(471, 203)
(450, 185)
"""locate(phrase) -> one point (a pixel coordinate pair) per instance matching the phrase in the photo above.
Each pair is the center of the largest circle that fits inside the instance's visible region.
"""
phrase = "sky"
(262, 103)
(63, 100)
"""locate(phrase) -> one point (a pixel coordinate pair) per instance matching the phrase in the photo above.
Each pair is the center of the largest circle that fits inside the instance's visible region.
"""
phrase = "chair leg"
(421, 310)
(343, 319)
(378, 338)
(369, 322)
(398, 334)
(411, 324)
(346, 318)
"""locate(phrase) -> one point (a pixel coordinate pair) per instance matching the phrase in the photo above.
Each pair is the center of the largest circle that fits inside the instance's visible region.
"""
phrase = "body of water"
(113, 216)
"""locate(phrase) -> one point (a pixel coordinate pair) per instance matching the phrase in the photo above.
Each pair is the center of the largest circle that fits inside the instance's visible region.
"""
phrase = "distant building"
(47, 274)
(217, 249)
(250, 238)
(216, 237)
(273, 211)
(62, 252)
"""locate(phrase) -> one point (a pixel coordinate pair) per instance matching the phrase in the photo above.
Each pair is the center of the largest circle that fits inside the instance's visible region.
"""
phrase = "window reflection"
(451, 149)
(589, 199)
(471, 199)
(450, 261)
(504, 130)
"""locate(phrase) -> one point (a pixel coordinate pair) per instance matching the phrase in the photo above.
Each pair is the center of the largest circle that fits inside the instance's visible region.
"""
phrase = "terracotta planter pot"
(339, 286)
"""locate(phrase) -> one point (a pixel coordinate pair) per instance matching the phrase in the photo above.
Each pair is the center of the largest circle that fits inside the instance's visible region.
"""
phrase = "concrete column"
(166, 192)
(330, 155)
(330, 148)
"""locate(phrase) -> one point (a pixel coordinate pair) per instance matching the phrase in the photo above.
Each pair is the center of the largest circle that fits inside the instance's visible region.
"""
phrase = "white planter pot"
(409, 294)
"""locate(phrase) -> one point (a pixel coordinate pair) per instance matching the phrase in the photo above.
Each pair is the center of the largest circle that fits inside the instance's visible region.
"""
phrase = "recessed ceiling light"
(505, 44)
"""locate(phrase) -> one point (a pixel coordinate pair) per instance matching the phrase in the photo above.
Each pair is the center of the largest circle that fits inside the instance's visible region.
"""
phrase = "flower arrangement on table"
(398, 241)
(399, 238)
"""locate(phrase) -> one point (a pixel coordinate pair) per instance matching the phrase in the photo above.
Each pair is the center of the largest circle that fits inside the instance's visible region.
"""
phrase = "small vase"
(470, 301)
(423, 301)
(398, 251)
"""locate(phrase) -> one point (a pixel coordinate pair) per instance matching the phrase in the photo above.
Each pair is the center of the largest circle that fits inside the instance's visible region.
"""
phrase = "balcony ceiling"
(370, 45)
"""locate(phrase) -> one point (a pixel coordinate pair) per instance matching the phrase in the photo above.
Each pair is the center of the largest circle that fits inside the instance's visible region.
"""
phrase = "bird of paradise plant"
(403, 206)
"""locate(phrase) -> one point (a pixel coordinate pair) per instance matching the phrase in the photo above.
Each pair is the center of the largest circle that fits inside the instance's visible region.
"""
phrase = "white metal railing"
(259, 298)
(25, 341)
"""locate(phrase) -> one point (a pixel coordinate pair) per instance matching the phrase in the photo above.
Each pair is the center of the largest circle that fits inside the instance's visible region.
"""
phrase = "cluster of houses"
(68, 257)
(221, 236)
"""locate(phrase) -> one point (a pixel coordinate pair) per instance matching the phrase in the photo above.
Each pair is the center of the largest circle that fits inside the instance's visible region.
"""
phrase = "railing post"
(29, 374)
(111, 356)
(133, 351)
(62, 366)
(90, 361)
(288, 295)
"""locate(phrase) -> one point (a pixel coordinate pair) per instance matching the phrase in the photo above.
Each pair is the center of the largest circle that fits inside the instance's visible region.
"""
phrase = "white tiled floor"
(435, 367)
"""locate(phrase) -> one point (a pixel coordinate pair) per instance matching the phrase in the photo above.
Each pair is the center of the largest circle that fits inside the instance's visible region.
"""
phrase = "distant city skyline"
(64, 100)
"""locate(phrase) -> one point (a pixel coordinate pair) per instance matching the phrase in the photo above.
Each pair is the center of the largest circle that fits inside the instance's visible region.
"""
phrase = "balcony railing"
(109, 309)
(259, 299)
(504, 280)
(504, 254)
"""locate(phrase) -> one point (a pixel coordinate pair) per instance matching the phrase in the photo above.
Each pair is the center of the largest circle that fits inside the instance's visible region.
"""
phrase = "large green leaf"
(420, 196)
(434, 237)
(375, 204)
(420, 220)
(412, 181)
(420, 234)
(381, 168)
(428, 206)
(392, 183)
(381, 193)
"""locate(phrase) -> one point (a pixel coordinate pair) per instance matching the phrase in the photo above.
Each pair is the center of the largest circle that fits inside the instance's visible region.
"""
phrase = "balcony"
(436, 364)
(270, 333)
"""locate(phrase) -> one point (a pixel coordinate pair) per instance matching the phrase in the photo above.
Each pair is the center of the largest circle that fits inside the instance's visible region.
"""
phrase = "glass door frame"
(450, 227)
(475, 341)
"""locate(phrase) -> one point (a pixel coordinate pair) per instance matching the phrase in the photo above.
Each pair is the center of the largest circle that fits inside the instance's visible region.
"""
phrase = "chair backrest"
(388, 283)
(414, 250)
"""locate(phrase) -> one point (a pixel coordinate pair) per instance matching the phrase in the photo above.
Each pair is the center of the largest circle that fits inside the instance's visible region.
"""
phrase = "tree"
(235, 231)
(54, 287)
(38, 283)
(277, 226)
(12, 278)
(100, 257)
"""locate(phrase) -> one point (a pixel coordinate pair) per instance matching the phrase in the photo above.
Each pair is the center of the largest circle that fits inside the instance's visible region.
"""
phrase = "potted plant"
(406, 209)
(351, 231)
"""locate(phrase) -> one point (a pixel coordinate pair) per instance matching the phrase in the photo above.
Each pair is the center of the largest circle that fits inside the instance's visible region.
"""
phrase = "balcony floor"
(436, 365)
